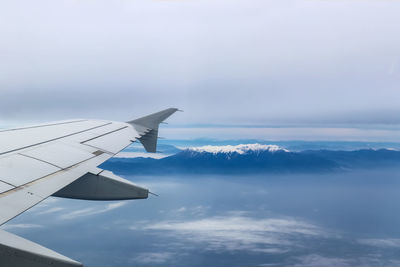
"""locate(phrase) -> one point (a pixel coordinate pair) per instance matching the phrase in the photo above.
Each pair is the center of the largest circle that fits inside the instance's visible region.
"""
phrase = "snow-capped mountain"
(255, 158)
(240, 149)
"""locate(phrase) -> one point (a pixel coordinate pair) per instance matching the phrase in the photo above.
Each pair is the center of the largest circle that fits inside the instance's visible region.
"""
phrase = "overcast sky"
(225, 62)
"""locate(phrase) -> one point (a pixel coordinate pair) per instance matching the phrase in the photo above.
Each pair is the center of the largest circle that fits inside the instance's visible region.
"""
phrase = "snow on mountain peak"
(240, 149)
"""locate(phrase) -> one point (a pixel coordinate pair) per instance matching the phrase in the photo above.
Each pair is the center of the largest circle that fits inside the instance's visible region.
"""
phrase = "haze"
(287, 63)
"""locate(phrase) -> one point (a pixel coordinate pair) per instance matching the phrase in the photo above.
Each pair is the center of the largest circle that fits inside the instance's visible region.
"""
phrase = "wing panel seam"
(41, 160)
(43, 177)
(8, 184)
(110, 132)
(54, 139)
(99, 148)
(40, 126)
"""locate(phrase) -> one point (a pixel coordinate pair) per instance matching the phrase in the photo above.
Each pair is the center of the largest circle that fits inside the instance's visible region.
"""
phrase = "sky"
(228, 63)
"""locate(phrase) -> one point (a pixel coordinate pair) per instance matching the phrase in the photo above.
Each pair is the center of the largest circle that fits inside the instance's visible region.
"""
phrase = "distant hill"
(254, 158)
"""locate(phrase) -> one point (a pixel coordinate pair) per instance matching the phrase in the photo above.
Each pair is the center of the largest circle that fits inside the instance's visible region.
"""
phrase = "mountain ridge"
(254, 158)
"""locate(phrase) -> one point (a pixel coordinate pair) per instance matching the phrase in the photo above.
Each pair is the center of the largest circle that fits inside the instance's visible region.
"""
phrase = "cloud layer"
(224, 61)
(237, 231)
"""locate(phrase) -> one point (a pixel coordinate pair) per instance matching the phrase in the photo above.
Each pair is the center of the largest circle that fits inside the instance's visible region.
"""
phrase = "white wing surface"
(61, 159)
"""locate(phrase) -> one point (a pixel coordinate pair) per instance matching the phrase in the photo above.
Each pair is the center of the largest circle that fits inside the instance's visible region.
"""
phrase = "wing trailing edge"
(147, 127)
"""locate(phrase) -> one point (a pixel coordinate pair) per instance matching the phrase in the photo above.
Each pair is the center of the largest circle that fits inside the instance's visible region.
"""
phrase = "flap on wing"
(102, 185)
(17, 251)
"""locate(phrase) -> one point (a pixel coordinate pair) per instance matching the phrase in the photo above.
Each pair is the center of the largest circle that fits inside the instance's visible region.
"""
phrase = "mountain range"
(254, 158)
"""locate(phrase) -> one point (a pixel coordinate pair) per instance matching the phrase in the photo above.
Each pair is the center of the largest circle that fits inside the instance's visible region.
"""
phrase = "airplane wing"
(61, 159)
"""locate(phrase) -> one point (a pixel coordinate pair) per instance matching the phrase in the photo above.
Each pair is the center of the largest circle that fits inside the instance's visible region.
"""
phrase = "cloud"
(48, 202)
(51, 210)
(235, 231)
(153, 257)
(181, 209)
(20, 226)
(196, 211)
(315, 260)
(384, 243)
(262, 61)
(92, 211)
(285, 133)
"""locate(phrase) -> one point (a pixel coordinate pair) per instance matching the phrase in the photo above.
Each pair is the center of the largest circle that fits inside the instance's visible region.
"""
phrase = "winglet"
(147, 127)
(153, 120)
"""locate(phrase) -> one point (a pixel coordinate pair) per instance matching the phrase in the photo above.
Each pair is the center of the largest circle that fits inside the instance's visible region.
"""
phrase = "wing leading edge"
(61, 159)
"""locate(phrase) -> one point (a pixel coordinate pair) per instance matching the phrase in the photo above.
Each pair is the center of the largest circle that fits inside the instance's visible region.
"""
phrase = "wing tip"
(151, 123)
